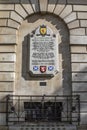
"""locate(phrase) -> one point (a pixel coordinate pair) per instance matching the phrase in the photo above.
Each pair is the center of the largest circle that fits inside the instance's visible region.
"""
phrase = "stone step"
(43, 127)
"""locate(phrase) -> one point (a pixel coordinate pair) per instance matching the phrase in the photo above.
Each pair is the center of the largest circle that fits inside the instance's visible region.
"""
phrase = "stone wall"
(74, 15)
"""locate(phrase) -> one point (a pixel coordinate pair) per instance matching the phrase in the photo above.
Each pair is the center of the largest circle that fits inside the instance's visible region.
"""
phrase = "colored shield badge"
(50, 68)
(42, 69)
(35, 68)
(43, 30)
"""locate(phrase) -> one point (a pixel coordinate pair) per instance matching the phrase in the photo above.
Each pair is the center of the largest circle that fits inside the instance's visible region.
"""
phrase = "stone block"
(20, 10)
(7, 86)
(83, 23)
(35, 5)
(83, 120)
(43, 5)
(28, 8)
(3, 22)
(78, 40)
(79, 57)
(8, 67)
(79, 77)
(9, 1)
(8, 39)
(13, 24)
(70, 17)
(82, 15)
(59, 8)
(16, 17)
(6, 30)
(7, 48)
(51, 5)
(4, 14)
(73, 24)
(79, 67)
(77, 2)
(7, 76)
(79, 86)
(6, 7)
(80, 7)
(67, 10)
(78, 49)
(78, 31)
(7, 57)
(2, 119)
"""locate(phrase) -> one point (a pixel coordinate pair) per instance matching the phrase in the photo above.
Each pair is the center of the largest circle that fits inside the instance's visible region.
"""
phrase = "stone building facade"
(68, 19)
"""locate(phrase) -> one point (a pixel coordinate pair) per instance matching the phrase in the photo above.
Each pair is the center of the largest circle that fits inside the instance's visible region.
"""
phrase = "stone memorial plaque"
(43, 52)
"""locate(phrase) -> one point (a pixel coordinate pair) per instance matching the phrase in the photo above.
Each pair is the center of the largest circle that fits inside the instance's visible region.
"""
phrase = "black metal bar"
(7, 101)
(79, 110)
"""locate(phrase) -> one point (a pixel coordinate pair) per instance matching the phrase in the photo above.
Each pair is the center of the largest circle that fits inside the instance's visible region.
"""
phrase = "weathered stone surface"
(82, 15)
(79, 57)
(80, 7)
(19, 9)
(7, 76)
(70, 17)
(73, 24)
(78, 49)
(16, 17)
(7, 57)
(83, 23)
(51, 5)
(78, 40)
(6, 6)
(80, 67)
(35, 5)
(9, 1)
(7, 67)
(2, 119)
(7, 48)
(4, 14)
(78, 31)
(3, 22)
(43, 5)
(79, 86)
(13, 24)
(79, 77)
(83, 118)
(8, 39)
(59, 8)
(77, 2)
(6, 30)
(7, 86)
(66, 11)
(28, 8)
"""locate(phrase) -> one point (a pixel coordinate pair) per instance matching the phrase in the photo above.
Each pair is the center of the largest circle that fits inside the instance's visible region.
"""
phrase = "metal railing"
(46, 108)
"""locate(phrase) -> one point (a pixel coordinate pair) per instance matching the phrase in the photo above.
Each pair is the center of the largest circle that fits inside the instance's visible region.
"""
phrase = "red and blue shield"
(42, 69)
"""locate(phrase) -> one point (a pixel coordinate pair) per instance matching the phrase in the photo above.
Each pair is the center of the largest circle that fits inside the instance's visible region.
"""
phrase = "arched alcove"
(61, 82)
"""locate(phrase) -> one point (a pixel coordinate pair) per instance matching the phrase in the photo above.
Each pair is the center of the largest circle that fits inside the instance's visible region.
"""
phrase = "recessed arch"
(59, 83)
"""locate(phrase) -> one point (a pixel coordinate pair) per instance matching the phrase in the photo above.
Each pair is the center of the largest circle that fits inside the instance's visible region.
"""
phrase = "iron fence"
(46, 108)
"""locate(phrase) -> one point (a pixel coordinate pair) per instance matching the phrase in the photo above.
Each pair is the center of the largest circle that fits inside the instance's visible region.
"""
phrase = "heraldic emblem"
(43, 30)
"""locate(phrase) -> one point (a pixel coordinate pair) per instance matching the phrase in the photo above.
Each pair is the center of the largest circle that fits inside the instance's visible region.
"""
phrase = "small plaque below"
(43, 83)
